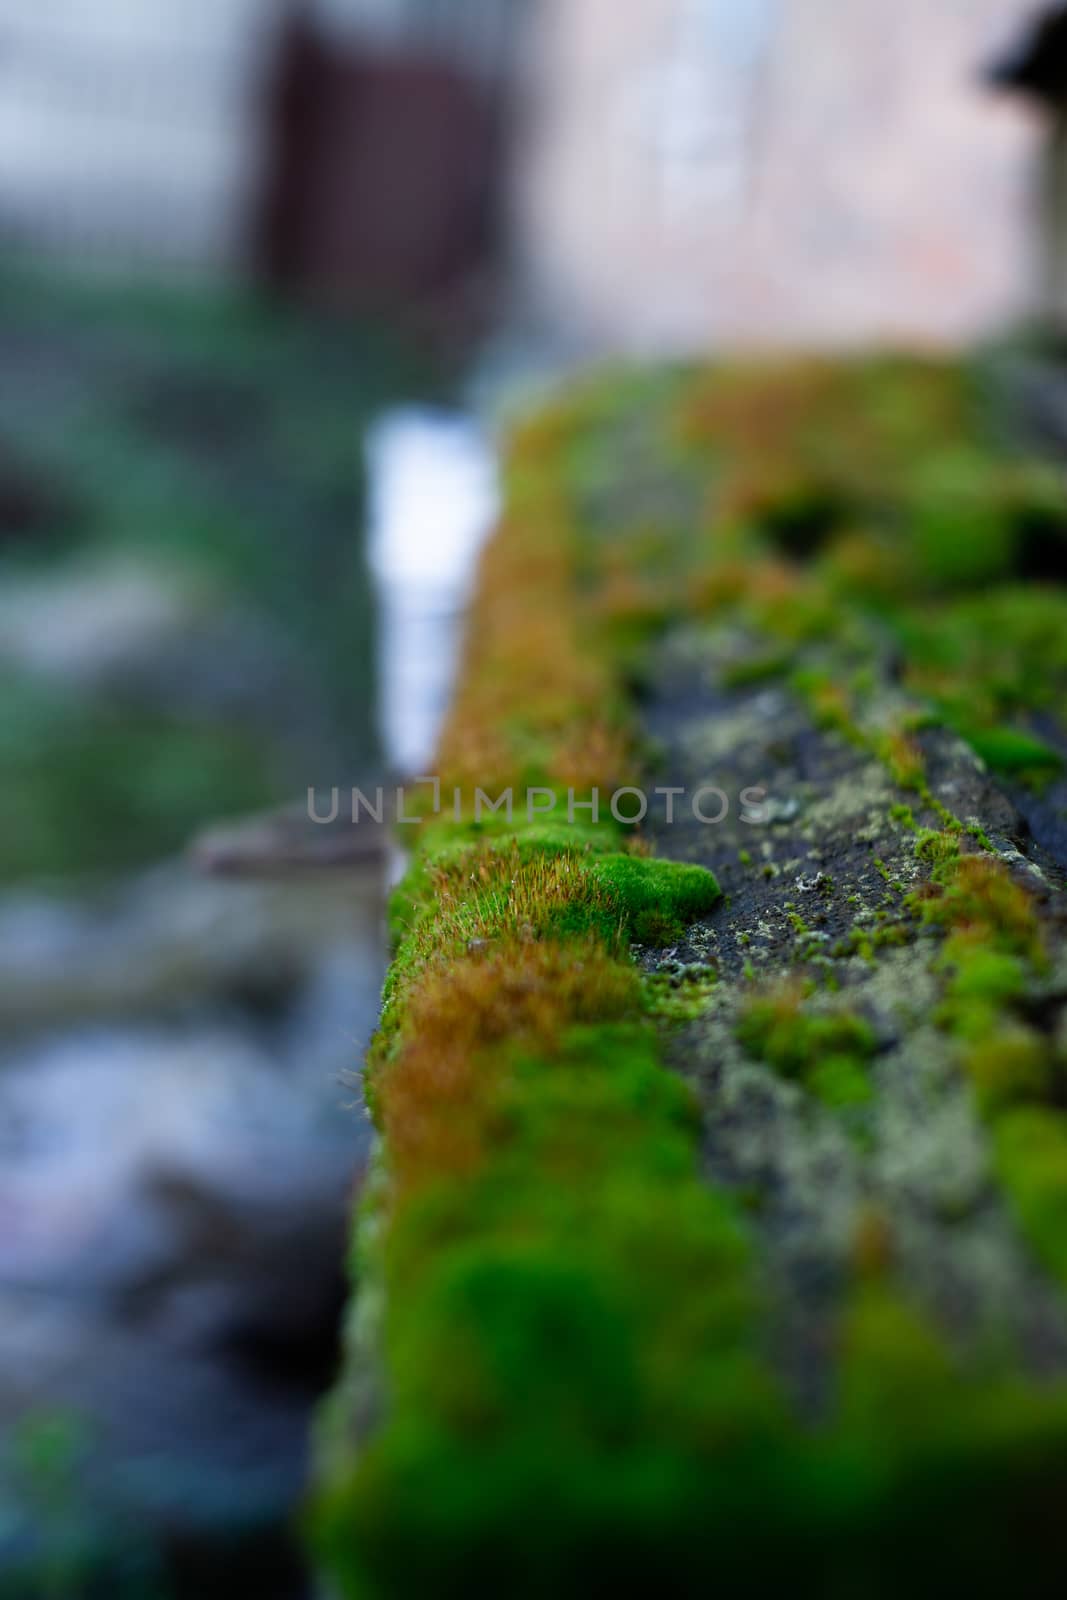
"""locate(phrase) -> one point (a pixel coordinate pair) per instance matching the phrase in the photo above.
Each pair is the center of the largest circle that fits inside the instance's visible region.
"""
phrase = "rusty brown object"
(381, 175)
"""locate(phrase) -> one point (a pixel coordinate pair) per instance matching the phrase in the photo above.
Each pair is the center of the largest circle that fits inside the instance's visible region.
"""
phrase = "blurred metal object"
(383, 162)
(1037, 68)
(1037, 65)
(278, 843)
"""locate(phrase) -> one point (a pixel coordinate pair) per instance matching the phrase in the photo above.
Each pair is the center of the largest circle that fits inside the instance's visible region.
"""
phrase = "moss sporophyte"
(577, 1269)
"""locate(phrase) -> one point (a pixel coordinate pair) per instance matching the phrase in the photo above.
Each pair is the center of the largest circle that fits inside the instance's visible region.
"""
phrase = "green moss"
(759, 670)
(991, 657)
(984, 976)
(544, 1340)
(1030, 1146)
(1010, 751)
(827, 702)
(978, 902)
(827, 1052)
(964, 518)
(552, 1456)
(680, 996)
(656, 898)
(858, 942)
(442, 838)
(1009, 1065)
(653, 900)
(937, 850)
(893, 1366)
(445, 846)
(840, 1082)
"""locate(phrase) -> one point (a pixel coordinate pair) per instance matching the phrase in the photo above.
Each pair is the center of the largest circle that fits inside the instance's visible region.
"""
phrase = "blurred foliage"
(94, 787)
(222, 435)
(55, 1546)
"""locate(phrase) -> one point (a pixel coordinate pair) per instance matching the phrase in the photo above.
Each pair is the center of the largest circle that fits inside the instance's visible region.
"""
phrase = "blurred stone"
(173, 940)
(174, 1204)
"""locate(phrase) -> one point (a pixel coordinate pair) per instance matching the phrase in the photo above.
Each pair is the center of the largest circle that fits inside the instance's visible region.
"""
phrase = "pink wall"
(831, 171)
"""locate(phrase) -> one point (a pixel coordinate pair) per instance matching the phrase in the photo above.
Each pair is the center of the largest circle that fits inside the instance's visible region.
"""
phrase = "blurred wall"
(149, 130)
(698, 171)
(476, 35)
(129, 127)
(385, 150)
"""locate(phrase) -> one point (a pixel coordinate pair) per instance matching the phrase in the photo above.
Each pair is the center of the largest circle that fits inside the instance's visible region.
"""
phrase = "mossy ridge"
(523, 886)
(537, 702)
(525, 1127)
(598, 1405)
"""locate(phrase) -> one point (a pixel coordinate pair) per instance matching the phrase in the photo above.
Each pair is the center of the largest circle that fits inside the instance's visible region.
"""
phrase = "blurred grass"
(221, 434)
(103, 787)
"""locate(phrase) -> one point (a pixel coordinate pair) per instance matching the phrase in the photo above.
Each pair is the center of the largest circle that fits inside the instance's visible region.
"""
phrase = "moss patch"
(827, 1052)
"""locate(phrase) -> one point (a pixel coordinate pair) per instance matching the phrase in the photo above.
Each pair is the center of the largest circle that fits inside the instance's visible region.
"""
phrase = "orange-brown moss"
(439, 1092)
(529, 679)
(535, 701)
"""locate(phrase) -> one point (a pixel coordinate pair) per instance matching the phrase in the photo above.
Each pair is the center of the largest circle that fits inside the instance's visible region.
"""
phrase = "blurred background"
(267, 272)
